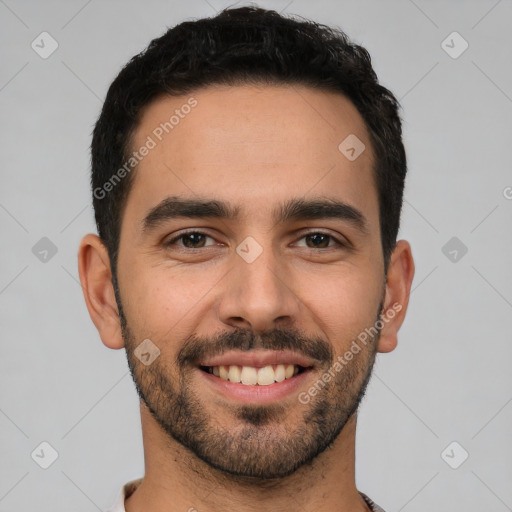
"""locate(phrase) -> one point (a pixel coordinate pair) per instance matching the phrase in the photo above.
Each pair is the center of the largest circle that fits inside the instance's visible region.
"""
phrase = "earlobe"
(398, 288)
(96, 279)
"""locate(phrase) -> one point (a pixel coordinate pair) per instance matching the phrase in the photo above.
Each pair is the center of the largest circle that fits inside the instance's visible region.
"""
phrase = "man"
(247, 175)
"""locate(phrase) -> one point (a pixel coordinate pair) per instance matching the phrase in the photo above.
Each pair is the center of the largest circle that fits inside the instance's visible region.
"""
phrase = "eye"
(197, 240)
(320, 240)
(191, 240)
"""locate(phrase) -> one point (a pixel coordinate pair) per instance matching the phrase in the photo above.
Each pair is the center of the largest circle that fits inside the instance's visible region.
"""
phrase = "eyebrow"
(292, 210)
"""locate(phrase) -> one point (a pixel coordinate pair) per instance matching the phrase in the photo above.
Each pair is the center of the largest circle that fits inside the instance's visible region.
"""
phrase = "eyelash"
(195, 232)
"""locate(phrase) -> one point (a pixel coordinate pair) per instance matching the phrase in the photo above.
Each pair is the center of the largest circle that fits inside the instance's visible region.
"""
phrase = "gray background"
(448, 380)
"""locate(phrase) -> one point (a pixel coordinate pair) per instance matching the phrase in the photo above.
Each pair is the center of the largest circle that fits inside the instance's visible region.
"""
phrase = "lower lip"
(256, 394)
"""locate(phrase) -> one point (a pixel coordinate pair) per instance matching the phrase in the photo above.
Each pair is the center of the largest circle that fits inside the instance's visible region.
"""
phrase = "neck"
(175, 479)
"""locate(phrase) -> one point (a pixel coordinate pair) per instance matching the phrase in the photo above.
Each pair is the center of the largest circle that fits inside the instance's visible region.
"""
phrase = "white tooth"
(249, 375)
(223, 372)
(289, 371)
(216, 371)
(266, 376)
(234, 373)
(280, 373)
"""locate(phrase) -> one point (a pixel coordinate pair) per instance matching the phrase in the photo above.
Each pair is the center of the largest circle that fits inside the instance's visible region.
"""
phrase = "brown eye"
(193, 240)
(318, 240)
(190, 240)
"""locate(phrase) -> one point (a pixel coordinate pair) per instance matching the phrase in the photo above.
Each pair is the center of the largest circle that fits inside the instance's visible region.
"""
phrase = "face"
(250, 257)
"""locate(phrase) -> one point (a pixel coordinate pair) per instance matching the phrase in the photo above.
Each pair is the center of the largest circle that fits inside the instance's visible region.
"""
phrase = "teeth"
(234, 374)
(250, 376)
(266, 376)
(289, 371)
(223, 373)
(280, 373)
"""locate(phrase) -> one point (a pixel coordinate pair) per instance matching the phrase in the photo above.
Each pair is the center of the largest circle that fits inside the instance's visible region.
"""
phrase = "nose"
(258, 295)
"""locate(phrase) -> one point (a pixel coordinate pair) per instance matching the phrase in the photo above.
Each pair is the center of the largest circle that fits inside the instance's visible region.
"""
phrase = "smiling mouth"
(256, 376)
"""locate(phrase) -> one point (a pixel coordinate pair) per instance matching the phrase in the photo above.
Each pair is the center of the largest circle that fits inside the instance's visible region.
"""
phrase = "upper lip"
(258, 358)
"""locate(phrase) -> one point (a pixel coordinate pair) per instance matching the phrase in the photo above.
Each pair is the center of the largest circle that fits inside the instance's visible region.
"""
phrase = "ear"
(96, 279)
(398, 288)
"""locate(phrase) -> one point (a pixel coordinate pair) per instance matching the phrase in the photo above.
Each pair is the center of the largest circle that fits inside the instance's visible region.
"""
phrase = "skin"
(263, 146)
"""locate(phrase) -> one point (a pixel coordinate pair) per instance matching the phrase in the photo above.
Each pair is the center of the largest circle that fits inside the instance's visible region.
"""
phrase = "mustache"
(197, 348)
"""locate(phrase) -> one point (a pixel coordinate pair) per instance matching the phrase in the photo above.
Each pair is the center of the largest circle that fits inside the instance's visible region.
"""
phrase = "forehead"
(253, 147)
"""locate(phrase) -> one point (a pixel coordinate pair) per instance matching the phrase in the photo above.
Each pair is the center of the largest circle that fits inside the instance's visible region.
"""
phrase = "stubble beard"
(253, 441)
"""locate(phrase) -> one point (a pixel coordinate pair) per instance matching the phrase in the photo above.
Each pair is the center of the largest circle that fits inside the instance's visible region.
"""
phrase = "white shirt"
(128, 489)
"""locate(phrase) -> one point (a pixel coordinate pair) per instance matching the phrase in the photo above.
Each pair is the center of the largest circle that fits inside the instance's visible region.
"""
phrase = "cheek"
(164, 300)
(343, 302)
